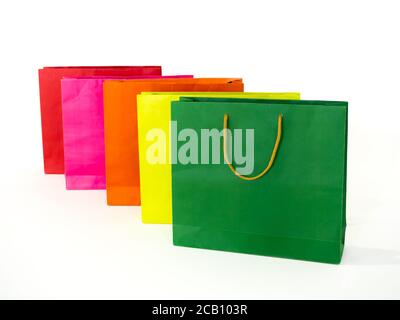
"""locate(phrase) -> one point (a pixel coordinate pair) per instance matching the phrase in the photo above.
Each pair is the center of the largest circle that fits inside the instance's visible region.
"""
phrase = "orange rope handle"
(271, 160)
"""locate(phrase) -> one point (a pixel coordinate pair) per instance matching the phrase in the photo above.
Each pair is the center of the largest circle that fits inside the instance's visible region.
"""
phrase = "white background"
(59, 244)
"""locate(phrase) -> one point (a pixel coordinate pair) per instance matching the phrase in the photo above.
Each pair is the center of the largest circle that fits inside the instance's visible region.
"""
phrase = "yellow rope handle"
(271, 160)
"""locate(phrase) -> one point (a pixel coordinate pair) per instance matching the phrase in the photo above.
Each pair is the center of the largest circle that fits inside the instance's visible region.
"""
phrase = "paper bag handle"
(271, 160)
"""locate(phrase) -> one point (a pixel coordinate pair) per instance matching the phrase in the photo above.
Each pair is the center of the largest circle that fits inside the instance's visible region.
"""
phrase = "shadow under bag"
(293, 205)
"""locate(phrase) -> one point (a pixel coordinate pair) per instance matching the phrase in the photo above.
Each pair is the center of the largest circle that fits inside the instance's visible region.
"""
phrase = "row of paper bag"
(95, 122)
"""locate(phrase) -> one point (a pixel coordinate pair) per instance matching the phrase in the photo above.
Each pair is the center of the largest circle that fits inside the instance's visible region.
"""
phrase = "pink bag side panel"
(83, 125)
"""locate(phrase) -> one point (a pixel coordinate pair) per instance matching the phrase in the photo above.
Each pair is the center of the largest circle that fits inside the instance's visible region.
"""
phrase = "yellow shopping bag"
(154, 115)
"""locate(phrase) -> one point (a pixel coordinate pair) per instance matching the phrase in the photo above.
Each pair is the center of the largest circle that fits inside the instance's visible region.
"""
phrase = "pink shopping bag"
(83, 130)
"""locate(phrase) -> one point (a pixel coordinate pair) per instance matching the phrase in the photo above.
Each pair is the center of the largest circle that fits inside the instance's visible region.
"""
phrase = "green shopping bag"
(291, 205)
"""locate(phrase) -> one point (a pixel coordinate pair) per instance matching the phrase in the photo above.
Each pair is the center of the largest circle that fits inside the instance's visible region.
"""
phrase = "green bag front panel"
(297, 210)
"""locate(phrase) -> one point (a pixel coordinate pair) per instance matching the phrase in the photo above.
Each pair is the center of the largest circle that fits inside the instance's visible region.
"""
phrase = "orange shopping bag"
(120, 128)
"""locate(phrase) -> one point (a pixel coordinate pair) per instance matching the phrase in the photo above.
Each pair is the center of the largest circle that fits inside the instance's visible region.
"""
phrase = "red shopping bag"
(51, 111)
